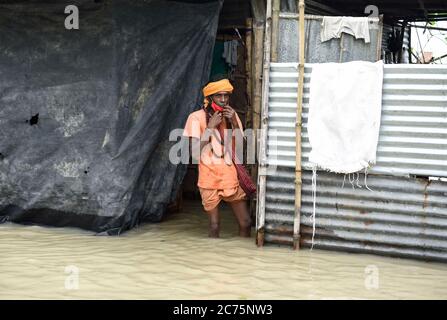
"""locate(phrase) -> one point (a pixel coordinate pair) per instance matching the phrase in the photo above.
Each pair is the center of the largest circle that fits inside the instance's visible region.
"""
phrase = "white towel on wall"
(345, 104)
(332, 27)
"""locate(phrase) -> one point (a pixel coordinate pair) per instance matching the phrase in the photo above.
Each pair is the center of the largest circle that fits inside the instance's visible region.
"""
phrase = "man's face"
(221, 98)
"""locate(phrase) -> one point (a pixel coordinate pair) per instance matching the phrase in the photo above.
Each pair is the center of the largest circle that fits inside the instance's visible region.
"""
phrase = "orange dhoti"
(212, 197)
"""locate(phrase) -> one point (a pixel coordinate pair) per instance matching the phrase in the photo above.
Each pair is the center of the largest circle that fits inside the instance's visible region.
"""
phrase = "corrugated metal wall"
(403, 215)
(343, 49)
(413, 132)
(387, 29)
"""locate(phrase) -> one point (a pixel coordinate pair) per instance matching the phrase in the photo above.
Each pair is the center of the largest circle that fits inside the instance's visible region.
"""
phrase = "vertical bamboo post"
(248, 74)
(275, 29)
(298, 127)
(342, 48)
(258, 26)
(249, 116)
(379, 38)
(260, 207)
(258, 10)
(257, 52)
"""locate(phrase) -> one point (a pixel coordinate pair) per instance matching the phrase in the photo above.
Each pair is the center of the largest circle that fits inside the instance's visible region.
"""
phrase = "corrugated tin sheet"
(403, 216)
(387, 29)
(413, 132)
(328, 51)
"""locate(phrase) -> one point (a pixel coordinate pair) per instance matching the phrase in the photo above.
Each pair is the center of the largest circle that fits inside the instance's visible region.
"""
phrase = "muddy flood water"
(176, 260)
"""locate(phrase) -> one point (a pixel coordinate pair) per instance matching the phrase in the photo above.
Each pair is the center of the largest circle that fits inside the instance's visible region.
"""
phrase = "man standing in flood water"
(218, 178)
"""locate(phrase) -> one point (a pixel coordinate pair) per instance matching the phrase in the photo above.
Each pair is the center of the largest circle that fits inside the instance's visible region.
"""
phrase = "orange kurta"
(215, 172)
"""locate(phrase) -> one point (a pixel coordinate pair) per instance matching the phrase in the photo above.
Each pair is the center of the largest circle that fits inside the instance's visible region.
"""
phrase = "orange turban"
(214, 87)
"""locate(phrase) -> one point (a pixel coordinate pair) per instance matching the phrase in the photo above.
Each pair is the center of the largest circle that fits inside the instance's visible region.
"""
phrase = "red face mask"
(216, 107)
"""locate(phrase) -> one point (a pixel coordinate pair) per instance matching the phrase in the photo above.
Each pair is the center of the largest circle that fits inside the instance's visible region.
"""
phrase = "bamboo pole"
(342, 48)
(258, 36)
(249, 74)
(249, 116)
(298, 127)
(275, 29)
(260, 221)
(295, 16)
(258, 25)
(379, 37)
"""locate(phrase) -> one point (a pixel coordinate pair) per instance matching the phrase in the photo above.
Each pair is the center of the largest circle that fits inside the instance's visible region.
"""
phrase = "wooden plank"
(260, 221)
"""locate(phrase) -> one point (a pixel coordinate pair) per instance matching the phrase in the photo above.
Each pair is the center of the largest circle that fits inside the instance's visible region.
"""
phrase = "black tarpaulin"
(85, 115)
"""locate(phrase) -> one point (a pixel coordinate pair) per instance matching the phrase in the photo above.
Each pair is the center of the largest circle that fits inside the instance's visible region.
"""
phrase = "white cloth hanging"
(345, 104)
(333, 27)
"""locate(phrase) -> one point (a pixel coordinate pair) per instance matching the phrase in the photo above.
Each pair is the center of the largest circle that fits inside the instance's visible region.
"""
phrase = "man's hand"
(229, 112)
(215, 120)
